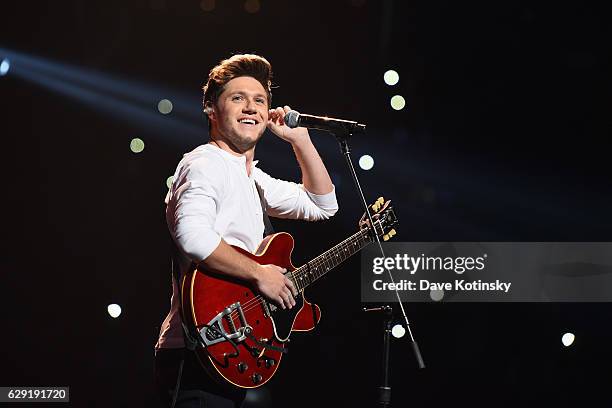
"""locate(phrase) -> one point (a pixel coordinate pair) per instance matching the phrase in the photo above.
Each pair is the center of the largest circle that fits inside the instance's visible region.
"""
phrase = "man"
(214, 202)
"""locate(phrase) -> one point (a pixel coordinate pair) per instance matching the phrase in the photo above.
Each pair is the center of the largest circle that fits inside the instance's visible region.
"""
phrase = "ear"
(209, 110)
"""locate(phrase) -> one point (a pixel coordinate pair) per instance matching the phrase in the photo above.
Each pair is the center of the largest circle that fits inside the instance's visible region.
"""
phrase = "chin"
(248, 140)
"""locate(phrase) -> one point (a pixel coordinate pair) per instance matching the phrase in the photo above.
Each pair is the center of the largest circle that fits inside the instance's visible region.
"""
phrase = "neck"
(233, 150)
(306, 275)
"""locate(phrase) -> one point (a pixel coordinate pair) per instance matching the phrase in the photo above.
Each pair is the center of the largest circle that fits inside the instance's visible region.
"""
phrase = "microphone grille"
(292, 118)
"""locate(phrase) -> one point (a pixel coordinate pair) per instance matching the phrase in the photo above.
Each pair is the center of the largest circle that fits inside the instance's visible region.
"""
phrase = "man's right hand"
(271, 282)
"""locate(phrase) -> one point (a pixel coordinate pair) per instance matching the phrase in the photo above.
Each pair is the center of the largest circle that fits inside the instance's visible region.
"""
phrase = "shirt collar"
(235, 159)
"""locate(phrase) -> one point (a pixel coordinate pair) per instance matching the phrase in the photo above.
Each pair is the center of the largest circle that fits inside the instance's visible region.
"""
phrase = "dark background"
(503, 138)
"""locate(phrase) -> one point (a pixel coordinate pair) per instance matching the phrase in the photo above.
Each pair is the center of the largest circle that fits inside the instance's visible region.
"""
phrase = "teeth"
(249, 121)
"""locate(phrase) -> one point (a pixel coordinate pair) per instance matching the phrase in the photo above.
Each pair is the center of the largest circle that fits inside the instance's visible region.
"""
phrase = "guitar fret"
(319, 266)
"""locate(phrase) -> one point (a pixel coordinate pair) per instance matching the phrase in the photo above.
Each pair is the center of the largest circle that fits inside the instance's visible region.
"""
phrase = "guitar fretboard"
(306, 274)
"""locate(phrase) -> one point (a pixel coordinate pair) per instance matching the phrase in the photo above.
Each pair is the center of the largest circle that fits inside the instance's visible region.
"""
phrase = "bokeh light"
(366, 162)
(398, 102)
(137, 145)
(391, 77)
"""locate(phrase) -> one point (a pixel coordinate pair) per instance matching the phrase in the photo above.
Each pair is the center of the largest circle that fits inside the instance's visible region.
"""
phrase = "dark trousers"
(197, 389)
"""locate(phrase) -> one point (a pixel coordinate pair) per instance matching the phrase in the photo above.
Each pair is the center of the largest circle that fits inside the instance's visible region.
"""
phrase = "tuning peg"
(379, 202)
(389, 235)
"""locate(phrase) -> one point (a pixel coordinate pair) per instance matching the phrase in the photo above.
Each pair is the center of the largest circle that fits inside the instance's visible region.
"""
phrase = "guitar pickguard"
(283, 319)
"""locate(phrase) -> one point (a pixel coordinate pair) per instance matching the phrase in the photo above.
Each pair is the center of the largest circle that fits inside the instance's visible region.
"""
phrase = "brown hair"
(236, 66)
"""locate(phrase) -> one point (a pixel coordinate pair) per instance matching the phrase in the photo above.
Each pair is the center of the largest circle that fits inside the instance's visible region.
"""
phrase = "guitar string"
(296, 274)
(315, 263)
(362, 234)
(323, 259)
(256, 302)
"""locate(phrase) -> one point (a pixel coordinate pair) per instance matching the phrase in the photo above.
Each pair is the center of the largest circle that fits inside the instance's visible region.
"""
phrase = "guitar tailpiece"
(214, 332)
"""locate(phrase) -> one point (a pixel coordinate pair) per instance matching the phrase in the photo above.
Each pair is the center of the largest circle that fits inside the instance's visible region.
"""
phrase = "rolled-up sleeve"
(192, 204)
(285, 199)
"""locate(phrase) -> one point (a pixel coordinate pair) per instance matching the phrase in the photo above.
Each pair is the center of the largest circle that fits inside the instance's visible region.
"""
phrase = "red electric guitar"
(241, 335)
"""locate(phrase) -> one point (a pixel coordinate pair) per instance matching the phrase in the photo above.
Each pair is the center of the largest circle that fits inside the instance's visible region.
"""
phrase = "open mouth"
(248, 121)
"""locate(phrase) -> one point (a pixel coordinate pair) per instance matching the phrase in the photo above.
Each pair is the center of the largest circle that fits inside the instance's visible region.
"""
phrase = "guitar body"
(234, 323)
(241, 336)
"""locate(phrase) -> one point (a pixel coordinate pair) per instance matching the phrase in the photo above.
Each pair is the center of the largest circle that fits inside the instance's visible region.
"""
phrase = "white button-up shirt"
(213, 197)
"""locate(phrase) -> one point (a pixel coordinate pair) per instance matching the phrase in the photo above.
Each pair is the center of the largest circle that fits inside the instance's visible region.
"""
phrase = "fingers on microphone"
(281, 115)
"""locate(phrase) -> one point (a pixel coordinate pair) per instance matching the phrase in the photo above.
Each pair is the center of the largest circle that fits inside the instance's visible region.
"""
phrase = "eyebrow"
(246, 93)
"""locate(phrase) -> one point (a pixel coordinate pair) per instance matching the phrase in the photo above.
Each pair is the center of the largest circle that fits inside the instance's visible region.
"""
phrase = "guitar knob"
(255, 352)
(256, 378)
(242, 367)
(270, 362)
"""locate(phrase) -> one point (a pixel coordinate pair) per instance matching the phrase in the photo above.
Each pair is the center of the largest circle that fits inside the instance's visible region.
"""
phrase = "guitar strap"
(268, 230)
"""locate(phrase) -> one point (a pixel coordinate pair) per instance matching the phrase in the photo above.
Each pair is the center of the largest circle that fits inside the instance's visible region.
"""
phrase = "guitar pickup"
(214, 331)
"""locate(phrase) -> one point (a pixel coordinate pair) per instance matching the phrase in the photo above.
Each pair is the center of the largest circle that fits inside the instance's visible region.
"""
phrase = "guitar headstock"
(384, 219)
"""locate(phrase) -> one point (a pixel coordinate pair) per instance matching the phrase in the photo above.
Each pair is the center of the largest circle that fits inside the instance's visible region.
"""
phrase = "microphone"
(295, 119)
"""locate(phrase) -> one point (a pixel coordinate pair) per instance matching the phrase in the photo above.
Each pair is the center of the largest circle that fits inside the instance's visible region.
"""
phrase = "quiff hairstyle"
(236, 66)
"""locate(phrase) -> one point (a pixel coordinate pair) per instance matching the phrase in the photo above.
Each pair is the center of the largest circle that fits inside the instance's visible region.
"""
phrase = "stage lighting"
(169, 181)
(398, 331)
(366, 162)
(5, 65)
(137, 145)
(164, 106)
(568, 339)
(391, 77)
(114, 310)
(125, 99)
(398, 102)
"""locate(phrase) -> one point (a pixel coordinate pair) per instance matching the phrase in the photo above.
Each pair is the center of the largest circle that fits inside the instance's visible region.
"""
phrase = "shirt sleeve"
(285, 199)
(192, 204)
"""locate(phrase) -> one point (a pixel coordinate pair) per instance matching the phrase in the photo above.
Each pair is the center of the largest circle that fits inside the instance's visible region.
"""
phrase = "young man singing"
(214, 202)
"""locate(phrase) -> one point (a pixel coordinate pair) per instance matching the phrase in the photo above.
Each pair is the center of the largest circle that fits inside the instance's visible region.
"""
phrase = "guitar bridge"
(214, 331)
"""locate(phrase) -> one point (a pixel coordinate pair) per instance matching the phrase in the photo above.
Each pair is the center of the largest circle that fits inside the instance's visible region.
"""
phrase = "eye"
(236, 97)
(260, 100)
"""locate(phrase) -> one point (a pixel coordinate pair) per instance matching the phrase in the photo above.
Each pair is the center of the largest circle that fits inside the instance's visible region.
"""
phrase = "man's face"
(241, 113)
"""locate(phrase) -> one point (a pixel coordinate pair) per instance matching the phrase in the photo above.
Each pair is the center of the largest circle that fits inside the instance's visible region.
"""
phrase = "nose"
(249, 106)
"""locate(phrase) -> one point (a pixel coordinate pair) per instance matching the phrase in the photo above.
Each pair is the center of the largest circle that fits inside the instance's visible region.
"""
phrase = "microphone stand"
(384, 391)
(385, 388)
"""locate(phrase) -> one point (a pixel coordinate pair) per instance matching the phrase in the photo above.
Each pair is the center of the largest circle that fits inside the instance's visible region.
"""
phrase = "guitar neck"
(307, 274)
